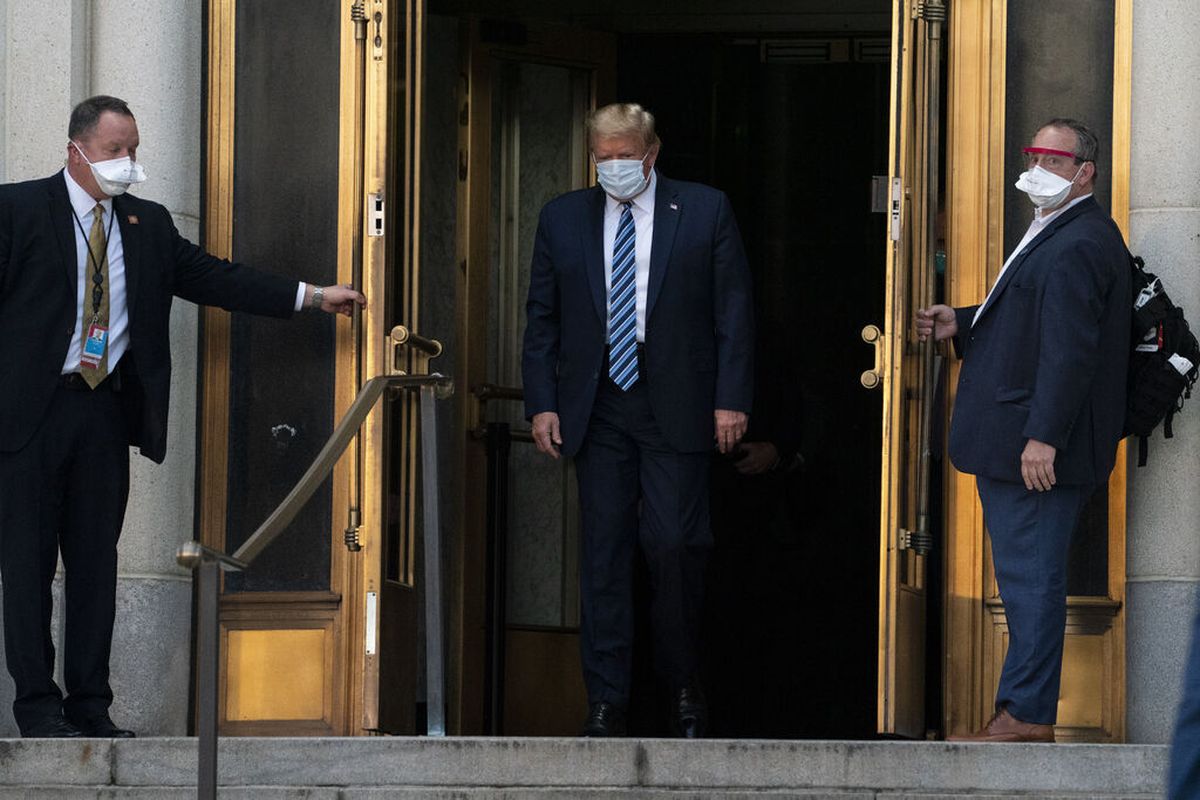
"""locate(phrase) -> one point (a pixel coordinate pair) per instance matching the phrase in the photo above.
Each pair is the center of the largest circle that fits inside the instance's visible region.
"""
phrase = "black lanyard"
(98, 274)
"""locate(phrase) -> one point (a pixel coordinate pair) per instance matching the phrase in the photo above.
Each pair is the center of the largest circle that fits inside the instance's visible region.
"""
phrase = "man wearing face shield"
(638, 362)
(1040, 408)
(87, 276)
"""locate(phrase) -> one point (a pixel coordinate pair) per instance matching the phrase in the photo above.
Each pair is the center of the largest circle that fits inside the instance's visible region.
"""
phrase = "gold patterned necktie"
(97, 320)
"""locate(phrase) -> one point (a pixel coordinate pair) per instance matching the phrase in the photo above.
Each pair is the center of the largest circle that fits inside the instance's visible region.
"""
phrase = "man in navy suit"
(87, 276)
(637, 360)
(1040, 408)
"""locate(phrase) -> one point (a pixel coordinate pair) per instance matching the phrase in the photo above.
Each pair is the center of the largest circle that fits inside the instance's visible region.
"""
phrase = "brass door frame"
(390, 77)
(906, 371)
(276, 610)
(975, 208)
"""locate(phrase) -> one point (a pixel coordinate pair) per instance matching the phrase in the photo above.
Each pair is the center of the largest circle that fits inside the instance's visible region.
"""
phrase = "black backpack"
(1164, 359)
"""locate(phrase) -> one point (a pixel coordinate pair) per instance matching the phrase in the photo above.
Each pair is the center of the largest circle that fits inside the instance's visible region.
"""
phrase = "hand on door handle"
(333, 299)
(938, 320)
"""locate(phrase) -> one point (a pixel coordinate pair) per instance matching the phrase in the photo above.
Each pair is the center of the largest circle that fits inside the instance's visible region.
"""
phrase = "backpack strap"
(1143, 451)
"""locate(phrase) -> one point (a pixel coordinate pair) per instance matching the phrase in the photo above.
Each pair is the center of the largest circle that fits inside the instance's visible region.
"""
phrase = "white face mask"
(622, 178)
(1045, 189)
(116, 174)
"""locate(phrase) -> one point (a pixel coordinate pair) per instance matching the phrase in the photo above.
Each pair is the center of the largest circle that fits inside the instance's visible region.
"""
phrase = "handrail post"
(434, 627)
(206, 563)
(208, 579)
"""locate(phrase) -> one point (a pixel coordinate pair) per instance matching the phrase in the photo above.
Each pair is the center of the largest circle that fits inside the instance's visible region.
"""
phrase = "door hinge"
(375, 217)
(350, 535)
(931, 11)
(358, 15)
(920, 542)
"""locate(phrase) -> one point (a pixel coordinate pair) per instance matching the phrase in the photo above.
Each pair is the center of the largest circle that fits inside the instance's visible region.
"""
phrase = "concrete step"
(480, 768)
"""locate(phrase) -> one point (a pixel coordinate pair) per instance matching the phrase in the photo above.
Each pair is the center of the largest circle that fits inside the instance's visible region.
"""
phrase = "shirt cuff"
(300, 290)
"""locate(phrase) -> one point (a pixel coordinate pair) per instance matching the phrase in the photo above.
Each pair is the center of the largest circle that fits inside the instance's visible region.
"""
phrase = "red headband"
(1048, 151)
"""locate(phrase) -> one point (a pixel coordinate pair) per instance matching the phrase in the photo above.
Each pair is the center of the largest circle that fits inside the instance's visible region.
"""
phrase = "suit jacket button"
(596, 375)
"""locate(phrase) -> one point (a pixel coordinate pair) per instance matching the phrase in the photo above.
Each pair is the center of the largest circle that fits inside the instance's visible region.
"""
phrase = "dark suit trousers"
(65, 490)
(625, 459)
(1031, 534)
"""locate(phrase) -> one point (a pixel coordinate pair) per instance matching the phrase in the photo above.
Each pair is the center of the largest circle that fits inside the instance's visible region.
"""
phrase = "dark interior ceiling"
(673, 16)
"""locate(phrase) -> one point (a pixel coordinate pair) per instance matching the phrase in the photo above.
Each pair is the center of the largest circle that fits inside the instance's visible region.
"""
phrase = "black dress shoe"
(103, 728)
(55, 727)
(689, 712)
(604, 719)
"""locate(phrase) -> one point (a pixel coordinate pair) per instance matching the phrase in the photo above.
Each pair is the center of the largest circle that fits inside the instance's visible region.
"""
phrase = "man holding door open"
(87, 277)
(1040, 408)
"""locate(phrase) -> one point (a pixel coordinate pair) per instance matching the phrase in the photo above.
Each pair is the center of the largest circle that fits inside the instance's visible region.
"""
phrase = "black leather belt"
(75, 382)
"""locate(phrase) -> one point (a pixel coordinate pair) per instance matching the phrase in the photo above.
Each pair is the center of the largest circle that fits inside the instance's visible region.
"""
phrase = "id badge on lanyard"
(94, 345)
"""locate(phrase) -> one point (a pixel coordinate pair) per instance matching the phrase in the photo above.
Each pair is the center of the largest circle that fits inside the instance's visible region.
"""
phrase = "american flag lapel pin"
(133, 220)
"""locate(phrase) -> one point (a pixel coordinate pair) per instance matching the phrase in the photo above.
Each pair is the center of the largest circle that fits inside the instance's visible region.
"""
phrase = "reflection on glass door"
(537, 130)
(525, 144)
(537, 133)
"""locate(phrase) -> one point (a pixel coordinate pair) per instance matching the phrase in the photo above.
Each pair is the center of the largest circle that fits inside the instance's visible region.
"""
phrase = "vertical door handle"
(873, 378)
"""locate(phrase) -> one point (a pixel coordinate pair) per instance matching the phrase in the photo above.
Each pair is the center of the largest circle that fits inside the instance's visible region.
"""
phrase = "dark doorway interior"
(792, 607)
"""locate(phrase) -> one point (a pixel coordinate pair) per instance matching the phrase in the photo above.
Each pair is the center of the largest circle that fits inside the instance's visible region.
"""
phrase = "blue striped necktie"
(622, 305)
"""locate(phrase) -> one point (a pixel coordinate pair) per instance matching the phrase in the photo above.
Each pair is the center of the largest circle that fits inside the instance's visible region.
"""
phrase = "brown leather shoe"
(1004, 727)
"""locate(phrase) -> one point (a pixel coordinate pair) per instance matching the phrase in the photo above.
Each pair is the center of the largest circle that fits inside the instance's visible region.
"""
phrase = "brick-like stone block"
(64, 762)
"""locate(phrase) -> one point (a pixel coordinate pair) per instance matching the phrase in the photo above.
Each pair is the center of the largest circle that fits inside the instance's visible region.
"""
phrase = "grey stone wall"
(3, 88)
(54, 54)
(1163, 566)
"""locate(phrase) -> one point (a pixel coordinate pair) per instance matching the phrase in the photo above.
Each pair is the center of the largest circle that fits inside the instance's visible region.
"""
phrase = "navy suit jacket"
(38, 282)
(1047, 358)
(699, 341)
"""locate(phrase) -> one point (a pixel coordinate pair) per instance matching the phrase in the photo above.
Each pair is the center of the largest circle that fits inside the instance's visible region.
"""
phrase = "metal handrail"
(403, 335)
(489, 392)
(207, 562)
(323, 464)
(192, 554)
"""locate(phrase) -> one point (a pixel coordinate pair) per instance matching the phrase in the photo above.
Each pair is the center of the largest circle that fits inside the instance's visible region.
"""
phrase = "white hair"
(622, 119)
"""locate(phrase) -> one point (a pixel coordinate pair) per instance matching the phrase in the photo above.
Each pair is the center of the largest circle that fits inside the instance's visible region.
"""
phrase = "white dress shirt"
(642, 209)
(1040, 221)
(82, 204)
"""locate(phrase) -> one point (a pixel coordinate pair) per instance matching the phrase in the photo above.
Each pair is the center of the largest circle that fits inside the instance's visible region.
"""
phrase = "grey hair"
(85, 115)
(622, 119)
